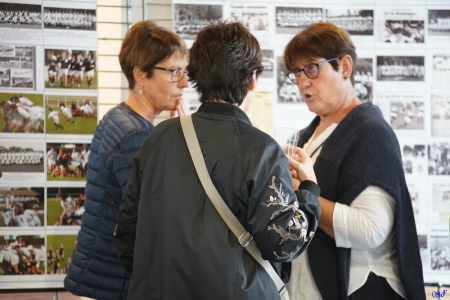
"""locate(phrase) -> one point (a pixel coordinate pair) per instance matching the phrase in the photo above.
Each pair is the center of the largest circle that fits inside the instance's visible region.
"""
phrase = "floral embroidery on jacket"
(298, 223)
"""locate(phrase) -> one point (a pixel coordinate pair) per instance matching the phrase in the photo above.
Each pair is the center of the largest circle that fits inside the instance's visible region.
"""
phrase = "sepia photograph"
(70, 69)
(404, 31)
(21, 207)
(287, 91)
(17, 66)
(22, 254)
(400, 68)
(291, 20)
(189, 19)
(70, 18)
(22, 113)
(66, 161)
(16, 15)
(439, 158)
(439, 22)
(354, 21)
(70, 114)
(407, 115)
(21, 156)
(364, 79)
(65, 206)
(59, 253)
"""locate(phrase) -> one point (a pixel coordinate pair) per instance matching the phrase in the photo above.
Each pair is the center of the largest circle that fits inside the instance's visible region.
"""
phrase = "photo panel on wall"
(17, 67)
(67, 161)
(70, 69)
(65, 206)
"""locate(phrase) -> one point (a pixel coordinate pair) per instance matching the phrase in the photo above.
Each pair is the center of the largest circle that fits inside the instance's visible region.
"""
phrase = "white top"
(366, 227)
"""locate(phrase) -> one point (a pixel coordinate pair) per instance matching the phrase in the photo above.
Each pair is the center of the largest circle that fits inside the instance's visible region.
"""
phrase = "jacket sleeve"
(125, 232)
(281, 221)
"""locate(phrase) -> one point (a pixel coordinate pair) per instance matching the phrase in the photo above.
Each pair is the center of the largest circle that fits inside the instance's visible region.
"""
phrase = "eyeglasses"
(311, 71)
(176, 74)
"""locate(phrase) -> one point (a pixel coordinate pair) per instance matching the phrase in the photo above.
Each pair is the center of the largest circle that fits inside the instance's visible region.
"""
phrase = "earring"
(141, 91)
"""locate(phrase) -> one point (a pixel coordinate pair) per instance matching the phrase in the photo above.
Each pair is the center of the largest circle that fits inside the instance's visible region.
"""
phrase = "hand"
(301, 166)
(179, 110)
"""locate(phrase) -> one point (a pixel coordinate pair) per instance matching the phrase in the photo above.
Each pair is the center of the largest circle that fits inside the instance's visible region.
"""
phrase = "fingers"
(180, 109)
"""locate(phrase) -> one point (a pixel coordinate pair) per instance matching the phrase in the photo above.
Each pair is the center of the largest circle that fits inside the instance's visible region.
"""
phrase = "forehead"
(177, 59)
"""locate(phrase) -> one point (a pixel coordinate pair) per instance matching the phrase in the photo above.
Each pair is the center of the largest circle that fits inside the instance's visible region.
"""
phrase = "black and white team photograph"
(65, 206)
(189, 19)
(404, 31)
(268, 63)
(21, 156)
(22, 113)
(440, 253)
(439, 158)
(414, 159)
(70, 69)
(21, 207)
(400, 68)
(20, 15)
(291, 20)
(22, 254)
(439, 22)
(287, 91)
(252, 21)
(354, 21)
(17, 66)
(364, 79)
(407, 115)
(66, 161)
(70, 18)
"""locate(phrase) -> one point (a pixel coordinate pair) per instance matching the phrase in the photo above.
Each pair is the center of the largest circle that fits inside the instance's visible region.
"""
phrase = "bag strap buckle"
(245, 239)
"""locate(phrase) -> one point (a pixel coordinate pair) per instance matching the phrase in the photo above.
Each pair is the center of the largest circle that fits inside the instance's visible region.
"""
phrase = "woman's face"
(159, 90)
(323, 95)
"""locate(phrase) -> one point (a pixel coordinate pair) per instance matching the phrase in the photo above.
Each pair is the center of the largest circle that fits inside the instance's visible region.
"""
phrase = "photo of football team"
(21, 207)
(20, 15)
(71, 69)
(70, 114)
(69, 18)
(65, 206)
(22, 255)
(21, 156)
(22, 113)
(67, 161)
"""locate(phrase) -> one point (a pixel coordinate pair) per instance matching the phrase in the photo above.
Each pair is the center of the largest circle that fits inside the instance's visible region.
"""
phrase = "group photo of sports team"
(70, 69)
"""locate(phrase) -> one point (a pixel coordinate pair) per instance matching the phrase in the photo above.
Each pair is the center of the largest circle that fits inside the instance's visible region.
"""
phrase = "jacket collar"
(224, 109)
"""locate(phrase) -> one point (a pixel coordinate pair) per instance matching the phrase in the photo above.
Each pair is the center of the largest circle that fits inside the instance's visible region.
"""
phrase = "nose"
(183, 83)
(303, 81)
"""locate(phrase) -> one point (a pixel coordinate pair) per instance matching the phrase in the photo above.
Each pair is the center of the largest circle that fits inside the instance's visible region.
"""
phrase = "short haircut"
(222, 61)
(145, 45)
(320, 40)
(15, 98)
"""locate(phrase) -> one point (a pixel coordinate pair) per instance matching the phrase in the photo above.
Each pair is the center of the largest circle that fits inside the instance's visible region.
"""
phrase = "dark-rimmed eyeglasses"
(176, 74)
(311, 71)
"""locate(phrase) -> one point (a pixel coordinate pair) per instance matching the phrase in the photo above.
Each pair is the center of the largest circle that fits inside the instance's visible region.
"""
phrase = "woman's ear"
(347, 66)
(139, 76)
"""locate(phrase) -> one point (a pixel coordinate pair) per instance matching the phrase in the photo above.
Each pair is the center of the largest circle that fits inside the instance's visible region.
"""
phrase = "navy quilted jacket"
(96, 270)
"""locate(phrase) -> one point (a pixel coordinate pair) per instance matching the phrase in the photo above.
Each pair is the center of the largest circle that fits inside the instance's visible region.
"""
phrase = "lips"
(307, 97)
